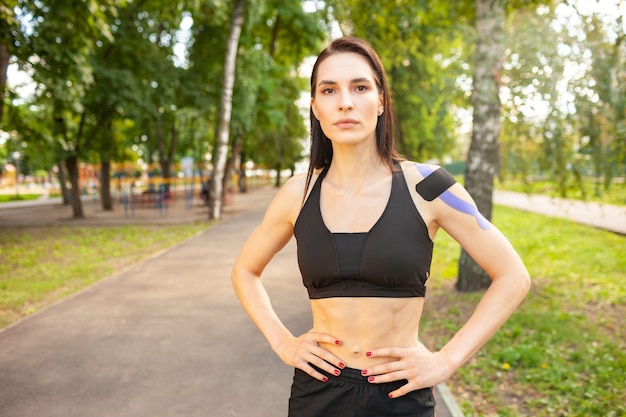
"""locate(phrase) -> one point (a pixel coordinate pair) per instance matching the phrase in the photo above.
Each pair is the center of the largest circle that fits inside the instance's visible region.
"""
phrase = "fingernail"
(325, 379)
(370, 379)
(337, 342)
(364, 372)
(336, 372)
(342, 365)
(368, 353)
(390, 395)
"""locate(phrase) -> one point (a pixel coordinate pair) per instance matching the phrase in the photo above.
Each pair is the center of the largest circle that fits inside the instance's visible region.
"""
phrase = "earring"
(380, 112)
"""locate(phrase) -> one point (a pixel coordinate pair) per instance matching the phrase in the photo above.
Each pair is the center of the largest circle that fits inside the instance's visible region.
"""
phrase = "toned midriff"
(364, 324)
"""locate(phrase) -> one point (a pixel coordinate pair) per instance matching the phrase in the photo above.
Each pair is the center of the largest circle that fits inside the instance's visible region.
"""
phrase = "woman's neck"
(354, 168)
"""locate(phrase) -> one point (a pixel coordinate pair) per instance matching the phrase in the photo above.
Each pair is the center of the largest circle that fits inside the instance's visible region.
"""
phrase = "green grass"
(563, 352)
(589, 191)
(39, 265)
(18, 197)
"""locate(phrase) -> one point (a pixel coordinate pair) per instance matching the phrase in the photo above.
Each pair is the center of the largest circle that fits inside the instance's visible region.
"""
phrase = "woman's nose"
(345, 101)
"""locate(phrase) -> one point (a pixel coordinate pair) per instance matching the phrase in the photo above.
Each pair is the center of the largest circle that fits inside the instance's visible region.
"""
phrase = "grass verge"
(562, 353)
(589, 190)
(39, 265)
(18, 197)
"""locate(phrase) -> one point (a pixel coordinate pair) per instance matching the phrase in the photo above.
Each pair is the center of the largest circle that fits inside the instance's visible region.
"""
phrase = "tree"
(483, 156)
(560, 124)
(276, 132)
(421, 46)
(222, 137)
(56, 45)
(8, 25)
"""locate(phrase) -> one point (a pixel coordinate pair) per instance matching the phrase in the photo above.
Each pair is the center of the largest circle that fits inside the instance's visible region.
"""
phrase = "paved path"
(601, 216)
(165, 337)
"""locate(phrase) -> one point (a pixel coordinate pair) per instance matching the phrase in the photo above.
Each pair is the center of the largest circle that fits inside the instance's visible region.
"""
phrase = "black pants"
(351, 395)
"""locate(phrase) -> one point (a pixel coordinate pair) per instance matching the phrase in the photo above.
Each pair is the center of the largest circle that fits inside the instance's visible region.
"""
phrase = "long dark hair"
(321, 153)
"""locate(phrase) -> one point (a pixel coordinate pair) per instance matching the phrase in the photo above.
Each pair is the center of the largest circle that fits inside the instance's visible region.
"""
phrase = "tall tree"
(7, 26)
(483, 156)
(276, 134)
(421, 45)
(222, 137)
(58, 42)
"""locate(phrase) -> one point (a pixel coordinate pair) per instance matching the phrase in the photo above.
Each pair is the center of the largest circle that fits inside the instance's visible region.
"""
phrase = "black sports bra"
(391, 260)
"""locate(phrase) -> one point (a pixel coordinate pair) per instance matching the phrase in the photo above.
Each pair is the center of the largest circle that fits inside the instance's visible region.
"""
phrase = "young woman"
(365, 221)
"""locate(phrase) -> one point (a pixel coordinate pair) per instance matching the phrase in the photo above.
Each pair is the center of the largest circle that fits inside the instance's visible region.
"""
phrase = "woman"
(365, 221)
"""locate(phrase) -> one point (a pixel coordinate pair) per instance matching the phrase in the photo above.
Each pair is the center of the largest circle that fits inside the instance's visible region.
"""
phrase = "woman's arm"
(495, 254)
(510, 284)
(275, 230)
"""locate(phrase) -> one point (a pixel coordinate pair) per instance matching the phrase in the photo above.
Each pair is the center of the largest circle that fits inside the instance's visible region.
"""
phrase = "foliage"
(562, 352)
(421, 46)
(564, 100)
(108, 81)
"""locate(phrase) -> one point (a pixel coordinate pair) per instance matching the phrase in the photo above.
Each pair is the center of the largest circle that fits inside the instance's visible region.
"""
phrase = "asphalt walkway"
(601, 216)
(167, 336)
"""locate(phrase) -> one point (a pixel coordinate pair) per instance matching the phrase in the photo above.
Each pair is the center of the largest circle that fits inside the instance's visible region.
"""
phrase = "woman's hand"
(300, 352)
(421, 367)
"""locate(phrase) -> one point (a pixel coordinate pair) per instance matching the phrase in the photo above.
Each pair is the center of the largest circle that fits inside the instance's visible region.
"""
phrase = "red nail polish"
(390, 395)
(336, 372)
(325, 379)
(337, 342)
(368, 353)
(342, 365)
(364, 372)
(370, 379)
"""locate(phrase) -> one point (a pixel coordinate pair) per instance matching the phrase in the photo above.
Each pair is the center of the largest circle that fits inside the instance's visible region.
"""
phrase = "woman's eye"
(327, 91)
(361, 88)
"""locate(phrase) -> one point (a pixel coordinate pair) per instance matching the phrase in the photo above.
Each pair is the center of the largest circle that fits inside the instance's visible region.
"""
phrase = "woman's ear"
(313, 107)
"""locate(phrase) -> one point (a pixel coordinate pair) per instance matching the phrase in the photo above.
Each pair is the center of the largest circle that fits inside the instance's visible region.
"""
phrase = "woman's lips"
(345, 123)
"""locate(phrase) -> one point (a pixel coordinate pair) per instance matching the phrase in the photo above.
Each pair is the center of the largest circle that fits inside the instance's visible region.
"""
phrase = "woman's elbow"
(525, 281)
(520, 282)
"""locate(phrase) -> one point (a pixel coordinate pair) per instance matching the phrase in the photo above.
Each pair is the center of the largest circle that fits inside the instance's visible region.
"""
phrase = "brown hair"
(321, 152)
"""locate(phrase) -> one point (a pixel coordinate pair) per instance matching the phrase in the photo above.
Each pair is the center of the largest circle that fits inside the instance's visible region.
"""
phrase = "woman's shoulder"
(297, 184)
(417, 171)
(291, 195)
(429, 180)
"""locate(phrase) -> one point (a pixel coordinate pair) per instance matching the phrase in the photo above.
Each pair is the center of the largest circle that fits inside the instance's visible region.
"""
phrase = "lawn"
(18, 197)
(562, 353)
(589, 190)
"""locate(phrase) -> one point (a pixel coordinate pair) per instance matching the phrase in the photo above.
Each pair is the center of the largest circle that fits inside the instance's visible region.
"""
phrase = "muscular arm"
(494, 253)
(268, 238)
(456, 213)
(271, 236)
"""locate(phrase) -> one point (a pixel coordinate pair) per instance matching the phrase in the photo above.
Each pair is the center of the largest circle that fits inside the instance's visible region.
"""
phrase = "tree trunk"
(278, 167)
(105, 186)
(72, 169)
(243, 178)
(482, 160)
(230, 165)
(4, 65)
(65, 193)
(221, 146)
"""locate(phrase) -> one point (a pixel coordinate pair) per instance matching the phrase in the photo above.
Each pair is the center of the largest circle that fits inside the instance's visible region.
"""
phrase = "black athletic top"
(391, 260)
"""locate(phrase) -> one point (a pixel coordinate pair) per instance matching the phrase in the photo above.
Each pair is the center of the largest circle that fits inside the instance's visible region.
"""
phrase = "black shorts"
(351, 395)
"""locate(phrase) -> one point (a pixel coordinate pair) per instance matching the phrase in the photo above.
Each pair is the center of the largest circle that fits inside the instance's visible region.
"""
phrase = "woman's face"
(347, 102)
